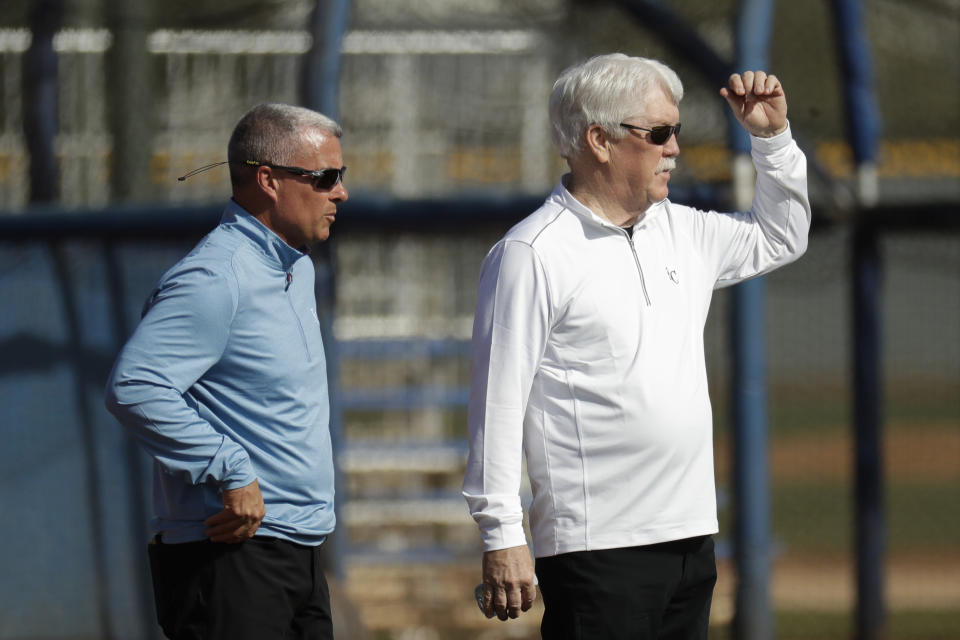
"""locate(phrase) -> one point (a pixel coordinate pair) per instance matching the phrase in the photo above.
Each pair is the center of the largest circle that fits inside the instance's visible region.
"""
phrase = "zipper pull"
(289, 280)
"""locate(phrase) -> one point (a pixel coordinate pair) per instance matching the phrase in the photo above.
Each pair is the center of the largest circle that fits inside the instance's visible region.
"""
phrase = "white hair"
(604, 90)
(273, 133)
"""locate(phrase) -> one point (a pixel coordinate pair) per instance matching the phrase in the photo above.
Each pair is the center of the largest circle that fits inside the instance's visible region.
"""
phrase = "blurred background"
(104, 103)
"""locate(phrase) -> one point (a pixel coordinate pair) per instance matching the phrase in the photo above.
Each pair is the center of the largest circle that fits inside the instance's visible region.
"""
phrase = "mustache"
(667, 164)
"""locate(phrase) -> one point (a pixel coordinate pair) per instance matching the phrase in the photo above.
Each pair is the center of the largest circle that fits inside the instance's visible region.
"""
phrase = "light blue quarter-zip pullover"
(224, 382)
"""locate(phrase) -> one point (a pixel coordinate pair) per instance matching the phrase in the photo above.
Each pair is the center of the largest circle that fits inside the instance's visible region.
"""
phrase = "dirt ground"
(923, 452)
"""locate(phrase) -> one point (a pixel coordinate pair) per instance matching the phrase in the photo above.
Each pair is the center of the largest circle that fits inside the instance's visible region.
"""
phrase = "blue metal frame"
(92, 474)
(752, 546)
(40, 99)
(856, 63)
(321, 92)
(870, 525)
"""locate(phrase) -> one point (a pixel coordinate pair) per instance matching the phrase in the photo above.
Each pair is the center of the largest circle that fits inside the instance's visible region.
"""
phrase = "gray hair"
(604, 91)
(273, 133)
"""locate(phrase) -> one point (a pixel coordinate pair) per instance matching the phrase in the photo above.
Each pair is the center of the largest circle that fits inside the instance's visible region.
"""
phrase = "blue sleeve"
(183, 333)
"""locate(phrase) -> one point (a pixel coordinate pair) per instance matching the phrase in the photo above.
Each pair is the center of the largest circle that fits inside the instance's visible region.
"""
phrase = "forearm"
(781, 206)
(177, 437)
(182, 335)
(774, 231)
(498, 515)
(509, 335)
(491, 483)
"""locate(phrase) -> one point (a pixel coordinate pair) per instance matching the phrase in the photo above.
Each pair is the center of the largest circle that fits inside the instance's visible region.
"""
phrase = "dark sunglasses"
(323, 179)
(658, 135)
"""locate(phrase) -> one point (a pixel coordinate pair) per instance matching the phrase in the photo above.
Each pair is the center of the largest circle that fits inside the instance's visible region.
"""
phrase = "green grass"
(817, 517)
(919, 517)
(808, 408)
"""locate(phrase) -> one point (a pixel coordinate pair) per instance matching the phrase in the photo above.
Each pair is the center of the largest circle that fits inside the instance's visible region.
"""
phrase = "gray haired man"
(224, 384)
(588, 358)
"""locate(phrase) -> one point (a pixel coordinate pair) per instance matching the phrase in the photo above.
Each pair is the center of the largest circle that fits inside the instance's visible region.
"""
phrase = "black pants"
(261, 589)
(655, 592)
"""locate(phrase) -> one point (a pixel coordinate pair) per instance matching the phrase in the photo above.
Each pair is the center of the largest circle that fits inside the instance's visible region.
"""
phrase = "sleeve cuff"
(773, 143)
(503, 537)
(230, 467)
(238, 482)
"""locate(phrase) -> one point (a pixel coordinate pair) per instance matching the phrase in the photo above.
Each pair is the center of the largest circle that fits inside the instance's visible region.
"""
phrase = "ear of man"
(597, 143)
(266, 183)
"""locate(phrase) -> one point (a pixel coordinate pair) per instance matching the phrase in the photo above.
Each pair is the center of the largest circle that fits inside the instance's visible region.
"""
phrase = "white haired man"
(588, 358)
(224, 383)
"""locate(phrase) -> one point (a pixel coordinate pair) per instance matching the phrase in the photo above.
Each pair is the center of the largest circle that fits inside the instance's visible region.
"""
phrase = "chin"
(656, 196)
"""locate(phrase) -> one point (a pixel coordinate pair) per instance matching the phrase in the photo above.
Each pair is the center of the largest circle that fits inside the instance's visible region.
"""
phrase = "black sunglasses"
(658, 135)
(323, 179)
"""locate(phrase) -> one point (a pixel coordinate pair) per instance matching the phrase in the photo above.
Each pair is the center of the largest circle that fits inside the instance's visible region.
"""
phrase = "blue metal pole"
(321, 77)
(754, 25)
(862, 113)
(863, 126)
(752, 549)
(752, 619)
(870, 522)
(321, 92)
(136, 470)
(40, 100)
(92, 476)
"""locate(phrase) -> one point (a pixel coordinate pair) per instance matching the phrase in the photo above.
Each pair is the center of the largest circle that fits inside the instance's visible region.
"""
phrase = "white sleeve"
(774, 232)
(510, 330)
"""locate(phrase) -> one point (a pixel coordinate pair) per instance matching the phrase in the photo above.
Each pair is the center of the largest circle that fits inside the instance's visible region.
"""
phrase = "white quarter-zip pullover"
(588, 357)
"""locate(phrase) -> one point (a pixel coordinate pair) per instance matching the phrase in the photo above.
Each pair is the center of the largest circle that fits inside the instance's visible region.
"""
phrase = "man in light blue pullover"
(224, 383)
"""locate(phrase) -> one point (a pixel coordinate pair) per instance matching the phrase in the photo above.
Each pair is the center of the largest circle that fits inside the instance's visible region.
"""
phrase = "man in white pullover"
(588, 358)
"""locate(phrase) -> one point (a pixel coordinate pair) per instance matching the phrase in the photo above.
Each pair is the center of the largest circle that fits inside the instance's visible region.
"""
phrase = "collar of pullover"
(564, 198)
(273, 248)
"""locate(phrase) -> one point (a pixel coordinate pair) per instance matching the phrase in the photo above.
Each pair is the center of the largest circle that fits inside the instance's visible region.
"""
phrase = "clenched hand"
(243, 510)
(758, 102)
(508, 586)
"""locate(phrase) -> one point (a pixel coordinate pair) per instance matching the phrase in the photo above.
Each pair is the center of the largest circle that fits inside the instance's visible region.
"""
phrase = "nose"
(339, 192)
(672, 146)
